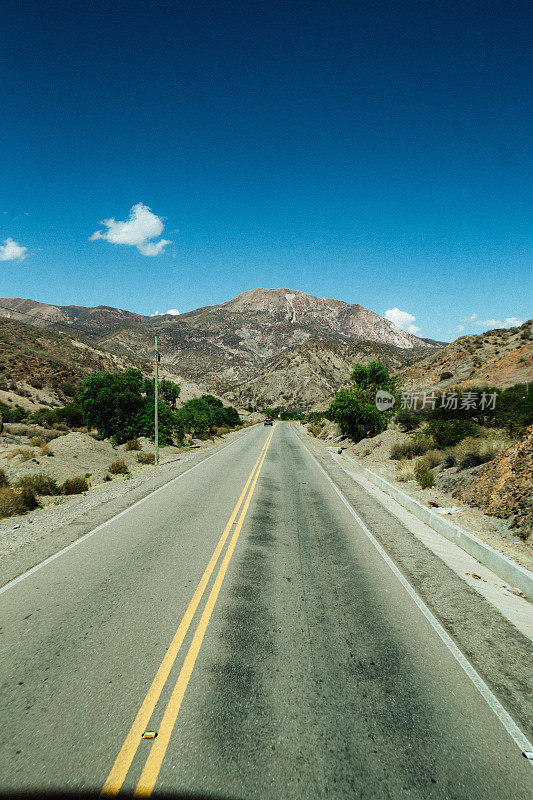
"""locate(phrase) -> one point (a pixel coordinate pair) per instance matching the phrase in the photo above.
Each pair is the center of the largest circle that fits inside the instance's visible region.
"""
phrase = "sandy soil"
(374, 455)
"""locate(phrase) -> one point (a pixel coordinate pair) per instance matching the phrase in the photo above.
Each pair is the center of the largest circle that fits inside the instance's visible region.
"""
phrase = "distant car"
(268, 421)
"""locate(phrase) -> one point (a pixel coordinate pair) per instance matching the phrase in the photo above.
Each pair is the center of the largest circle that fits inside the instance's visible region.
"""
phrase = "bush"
(40, 483)
(37, 441)
(417, 446)
(433, 458)
(314, 428)
(404, 471)
(16, 501)
(424, 474)
(444, 376)
(74, 486)
(146, 458)
(28, 498)
(408, 420)
(118, 468)
(448, 433)
(472, 452)
(448, 459)
(133, 444)
(3, 479)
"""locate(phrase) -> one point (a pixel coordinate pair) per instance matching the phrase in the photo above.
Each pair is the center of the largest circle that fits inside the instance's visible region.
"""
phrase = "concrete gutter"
(510, 571)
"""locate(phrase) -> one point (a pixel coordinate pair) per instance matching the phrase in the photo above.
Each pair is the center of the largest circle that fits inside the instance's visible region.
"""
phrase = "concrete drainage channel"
(511, 572)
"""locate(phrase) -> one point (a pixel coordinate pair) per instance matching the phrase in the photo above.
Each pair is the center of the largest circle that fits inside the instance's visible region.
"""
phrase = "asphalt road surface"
(243, 616)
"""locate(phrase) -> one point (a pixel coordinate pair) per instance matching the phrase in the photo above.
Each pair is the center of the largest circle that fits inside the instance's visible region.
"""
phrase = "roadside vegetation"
(113, 407)
(439, 439)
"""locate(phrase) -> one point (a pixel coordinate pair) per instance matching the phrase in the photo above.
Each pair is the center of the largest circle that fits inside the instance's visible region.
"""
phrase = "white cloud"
(172, 311)
(402, 319)
(508, 322)
(141, 226)
(460, 328)
(11, 251)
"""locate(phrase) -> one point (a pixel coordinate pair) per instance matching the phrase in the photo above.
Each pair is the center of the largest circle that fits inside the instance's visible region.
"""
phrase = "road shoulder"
(496, 648)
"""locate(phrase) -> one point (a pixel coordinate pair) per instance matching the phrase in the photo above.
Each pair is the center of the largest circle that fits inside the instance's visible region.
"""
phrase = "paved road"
(307, 670)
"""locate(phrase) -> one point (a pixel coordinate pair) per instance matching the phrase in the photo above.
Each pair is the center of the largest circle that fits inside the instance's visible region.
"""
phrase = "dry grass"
(24, 452)
(433, 458)
(404, 471)
(146, 458)
(314, 428)
(75, 486)
(221, 431)
(133, 444)
(118, 468)
(417, 446)
(16, 501)
(424, 474)
(41, 484)
(3, 479)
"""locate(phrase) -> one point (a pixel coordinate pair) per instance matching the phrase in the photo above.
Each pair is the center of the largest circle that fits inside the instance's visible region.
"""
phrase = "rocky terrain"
(500, 358)
(45, 368)
(504, 486)
(221, 344)
(307, 376)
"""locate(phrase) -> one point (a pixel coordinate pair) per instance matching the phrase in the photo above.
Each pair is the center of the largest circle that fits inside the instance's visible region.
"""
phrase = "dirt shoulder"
(374, 454)
(27, 540)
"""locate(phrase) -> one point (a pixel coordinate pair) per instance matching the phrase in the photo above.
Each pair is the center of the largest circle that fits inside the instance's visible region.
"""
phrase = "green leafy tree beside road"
(354, 409)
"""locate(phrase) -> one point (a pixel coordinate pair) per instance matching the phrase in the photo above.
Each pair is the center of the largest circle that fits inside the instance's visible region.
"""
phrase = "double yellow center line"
(128, 750)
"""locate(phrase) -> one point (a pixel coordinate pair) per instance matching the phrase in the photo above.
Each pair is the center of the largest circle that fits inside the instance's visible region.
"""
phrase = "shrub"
(448, 460)
(3, 479)
(408, 420)
(314, 428)
(74, 486)
(146, 458)
(448, 433)
(424, 474)
(221, 431)
(433, 458)
(16, 501)
(24, 452)
(28, 498)
(416, 446)
(107, 478)
(44, 449)
(472, 452)
(444, 376)
(40, 483)
(132, 444)
(36, 383)
(118, 468)
(404, 471)
(37, 441)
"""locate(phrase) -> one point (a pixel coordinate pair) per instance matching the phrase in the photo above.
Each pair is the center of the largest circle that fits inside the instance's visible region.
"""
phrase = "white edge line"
(508, 723)
(108, 522)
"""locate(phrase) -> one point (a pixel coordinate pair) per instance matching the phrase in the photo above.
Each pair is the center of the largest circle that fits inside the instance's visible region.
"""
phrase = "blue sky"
(375, 152)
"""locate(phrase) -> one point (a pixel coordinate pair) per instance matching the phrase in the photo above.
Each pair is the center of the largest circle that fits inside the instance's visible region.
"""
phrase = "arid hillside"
(309, 375)
(43, 367)
(230, 342)
(499, 358)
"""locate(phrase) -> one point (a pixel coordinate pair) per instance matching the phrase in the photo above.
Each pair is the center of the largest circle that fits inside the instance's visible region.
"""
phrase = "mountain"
(45, 367)
(499, 358)
(307, 376)
(223, 344)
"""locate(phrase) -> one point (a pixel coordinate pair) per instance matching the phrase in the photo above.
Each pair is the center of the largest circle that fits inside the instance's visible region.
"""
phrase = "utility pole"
(156, 388)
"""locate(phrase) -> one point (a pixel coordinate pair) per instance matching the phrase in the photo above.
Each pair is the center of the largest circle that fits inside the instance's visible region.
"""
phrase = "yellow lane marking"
(157, 753)
(120, 768)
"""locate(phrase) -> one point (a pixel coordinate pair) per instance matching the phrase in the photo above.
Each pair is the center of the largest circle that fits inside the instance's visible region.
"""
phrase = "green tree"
(113, 404)
(354, 409)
